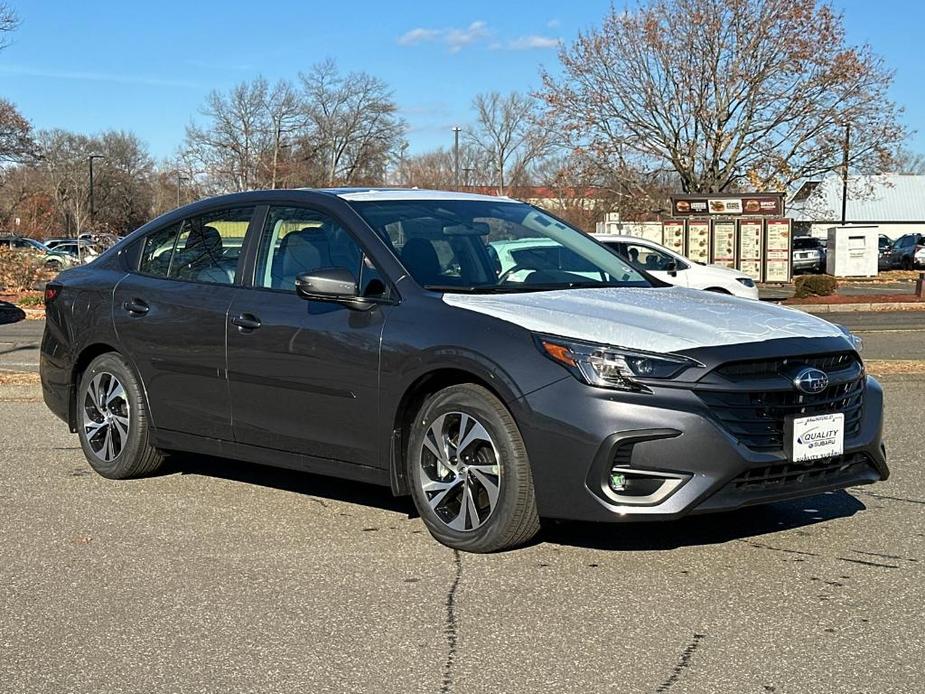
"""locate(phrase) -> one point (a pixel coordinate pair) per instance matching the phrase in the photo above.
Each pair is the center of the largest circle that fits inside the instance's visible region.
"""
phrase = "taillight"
(51, 292)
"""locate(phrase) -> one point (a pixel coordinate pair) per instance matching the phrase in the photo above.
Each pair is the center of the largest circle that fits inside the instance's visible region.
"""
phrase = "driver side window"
(649, 258)
(299, 240)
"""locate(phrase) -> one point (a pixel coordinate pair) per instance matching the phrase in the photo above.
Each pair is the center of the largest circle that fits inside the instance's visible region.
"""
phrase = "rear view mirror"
(672, 268)
(334, 284)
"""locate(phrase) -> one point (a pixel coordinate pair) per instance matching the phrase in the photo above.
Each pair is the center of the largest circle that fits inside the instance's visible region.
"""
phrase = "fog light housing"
(617, 481)
(640, 487)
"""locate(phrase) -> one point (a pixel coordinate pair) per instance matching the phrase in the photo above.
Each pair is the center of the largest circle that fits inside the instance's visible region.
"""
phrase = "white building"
(893, 202)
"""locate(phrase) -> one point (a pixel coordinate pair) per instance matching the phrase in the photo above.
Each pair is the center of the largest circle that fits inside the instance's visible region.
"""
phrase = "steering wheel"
(517, 268)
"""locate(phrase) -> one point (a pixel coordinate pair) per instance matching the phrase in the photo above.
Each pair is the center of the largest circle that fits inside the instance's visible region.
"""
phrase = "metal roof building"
(894, 202)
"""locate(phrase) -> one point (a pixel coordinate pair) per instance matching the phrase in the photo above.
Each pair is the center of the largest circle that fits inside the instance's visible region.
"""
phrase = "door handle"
(136, 307)
(246, 322)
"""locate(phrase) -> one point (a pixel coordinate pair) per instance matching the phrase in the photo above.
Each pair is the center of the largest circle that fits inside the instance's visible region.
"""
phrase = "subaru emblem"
(811, 381)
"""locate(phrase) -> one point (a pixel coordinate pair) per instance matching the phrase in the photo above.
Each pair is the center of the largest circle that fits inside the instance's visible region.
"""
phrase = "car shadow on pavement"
(705, 529)
(295, 481)
(10, 313)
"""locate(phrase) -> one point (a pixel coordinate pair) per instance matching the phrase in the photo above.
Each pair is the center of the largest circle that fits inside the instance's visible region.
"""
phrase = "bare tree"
(287, 118)
(908, 162)
(355, 128)
(9, 22)
(725, 93)
(16, 143)
(238, 132)
(505, 133)
(437, 168)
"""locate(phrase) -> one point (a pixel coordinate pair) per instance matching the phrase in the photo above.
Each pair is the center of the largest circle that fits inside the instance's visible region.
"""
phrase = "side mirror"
(672, 268)
(334, 284)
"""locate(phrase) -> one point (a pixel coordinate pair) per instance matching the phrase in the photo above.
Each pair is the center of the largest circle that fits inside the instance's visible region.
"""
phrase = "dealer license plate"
(819, 436)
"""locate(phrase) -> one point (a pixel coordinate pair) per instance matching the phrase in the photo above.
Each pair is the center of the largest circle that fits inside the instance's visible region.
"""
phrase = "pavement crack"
(451, 628)
(884, 556)
(758, 545)
(683, 663)
(868, 563)
(884, 497)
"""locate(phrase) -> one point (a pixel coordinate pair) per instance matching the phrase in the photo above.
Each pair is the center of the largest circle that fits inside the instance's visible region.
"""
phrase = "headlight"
(747, 281)
(856, 341)
(611, 367)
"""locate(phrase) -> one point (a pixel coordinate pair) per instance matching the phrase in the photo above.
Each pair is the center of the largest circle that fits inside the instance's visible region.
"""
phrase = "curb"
(872, 307)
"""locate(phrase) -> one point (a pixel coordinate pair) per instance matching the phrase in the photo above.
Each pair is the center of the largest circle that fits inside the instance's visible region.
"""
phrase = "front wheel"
(112, 420)
(470, 476)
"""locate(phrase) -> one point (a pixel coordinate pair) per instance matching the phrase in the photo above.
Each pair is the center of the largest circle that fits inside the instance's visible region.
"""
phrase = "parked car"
(674, 268)
(885, 250)
(52, 259)
(809, 254)
(908, 252)
(371, 335)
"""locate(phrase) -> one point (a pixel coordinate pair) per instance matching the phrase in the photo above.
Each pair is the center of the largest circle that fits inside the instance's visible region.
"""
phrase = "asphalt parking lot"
(220, 576)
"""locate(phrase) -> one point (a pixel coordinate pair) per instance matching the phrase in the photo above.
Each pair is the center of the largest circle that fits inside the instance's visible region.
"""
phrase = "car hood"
(661, 320)
(721, 271)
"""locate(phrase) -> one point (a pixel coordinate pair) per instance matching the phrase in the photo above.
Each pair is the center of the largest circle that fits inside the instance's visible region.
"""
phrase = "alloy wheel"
(460, 471)
(106, 416)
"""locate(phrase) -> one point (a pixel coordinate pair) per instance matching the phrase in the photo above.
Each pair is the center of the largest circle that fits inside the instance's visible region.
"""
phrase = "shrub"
(31, 300)
(20, 270)
(815, 285)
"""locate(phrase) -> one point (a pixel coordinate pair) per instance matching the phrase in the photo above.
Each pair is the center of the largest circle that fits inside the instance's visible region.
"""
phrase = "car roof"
(624, 237)
(413, 194)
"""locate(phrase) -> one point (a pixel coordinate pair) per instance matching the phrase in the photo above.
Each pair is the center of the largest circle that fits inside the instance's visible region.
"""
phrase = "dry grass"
(18, 378)
(889, 367)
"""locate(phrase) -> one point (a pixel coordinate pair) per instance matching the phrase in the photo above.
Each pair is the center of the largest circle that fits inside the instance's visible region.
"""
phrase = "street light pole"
(456, 130)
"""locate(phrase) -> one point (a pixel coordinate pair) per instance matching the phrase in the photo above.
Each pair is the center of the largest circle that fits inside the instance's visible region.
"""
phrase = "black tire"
(513, 520)
(135, 456)
(907, 263)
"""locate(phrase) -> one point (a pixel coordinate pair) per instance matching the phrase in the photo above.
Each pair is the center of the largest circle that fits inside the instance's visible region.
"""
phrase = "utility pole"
(180, 180)
(456, 130)
(92, 197)
(844, 179)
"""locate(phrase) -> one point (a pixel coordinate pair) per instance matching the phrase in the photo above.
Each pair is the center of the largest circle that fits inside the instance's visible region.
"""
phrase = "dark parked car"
(371, 335)
(809, 254)
(885, 251)
(50, 258)
(908, 252)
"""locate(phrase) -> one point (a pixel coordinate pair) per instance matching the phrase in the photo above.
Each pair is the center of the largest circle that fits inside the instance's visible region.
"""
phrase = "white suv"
(673, 268)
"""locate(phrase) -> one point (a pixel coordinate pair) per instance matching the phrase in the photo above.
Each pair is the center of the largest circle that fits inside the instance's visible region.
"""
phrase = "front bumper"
(574, 432)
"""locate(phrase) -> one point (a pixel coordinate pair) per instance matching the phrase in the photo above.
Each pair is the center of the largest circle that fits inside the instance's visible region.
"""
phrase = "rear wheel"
(471, 479)
(112, 420)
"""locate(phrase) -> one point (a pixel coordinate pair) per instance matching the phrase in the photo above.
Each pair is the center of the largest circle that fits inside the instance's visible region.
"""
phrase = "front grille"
(752, 399)
(784, 475)
(768, 368)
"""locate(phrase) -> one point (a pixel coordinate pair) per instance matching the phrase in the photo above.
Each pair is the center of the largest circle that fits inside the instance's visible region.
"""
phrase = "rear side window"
(205, 248)
(155, 258)
(209, 246)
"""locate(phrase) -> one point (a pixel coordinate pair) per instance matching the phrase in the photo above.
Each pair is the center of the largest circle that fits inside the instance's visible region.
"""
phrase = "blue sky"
(146, 67)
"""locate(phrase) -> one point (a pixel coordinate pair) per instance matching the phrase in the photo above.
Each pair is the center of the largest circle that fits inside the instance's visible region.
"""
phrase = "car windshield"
(802, 243)
(37, 245)
(484, 246)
